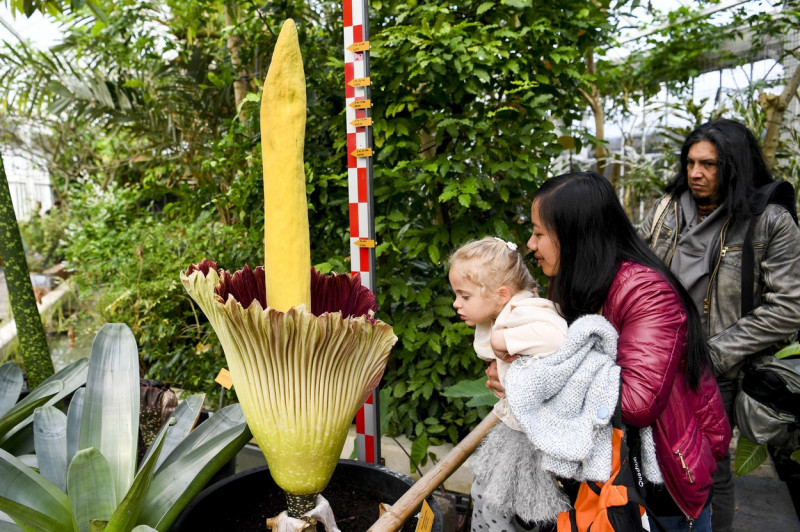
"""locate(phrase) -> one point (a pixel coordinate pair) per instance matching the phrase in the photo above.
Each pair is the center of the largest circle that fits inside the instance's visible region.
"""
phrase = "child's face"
(472, 305)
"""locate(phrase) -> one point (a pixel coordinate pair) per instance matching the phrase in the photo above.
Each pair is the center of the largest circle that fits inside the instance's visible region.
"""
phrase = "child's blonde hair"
(490, 263)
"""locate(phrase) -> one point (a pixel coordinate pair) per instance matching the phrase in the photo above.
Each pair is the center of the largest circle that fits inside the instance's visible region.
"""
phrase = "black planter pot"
(244, 501)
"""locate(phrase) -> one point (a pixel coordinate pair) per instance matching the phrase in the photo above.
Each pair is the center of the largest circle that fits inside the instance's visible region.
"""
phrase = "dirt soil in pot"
(355, 508)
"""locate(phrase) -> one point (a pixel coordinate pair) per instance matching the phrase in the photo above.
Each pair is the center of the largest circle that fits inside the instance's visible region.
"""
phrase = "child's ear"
(503, 295)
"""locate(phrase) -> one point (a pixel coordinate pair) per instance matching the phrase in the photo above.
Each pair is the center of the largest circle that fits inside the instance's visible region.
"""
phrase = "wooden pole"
(394, 517)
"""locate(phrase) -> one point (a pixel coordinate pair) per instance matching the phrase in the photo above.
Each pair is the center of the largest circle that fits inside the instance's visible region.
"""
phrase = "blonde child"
(494, 292)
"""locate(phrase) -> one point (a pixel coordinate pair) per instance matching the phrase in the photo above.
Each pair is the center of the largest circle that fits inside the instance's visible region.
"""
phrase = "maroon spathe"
(329, 293)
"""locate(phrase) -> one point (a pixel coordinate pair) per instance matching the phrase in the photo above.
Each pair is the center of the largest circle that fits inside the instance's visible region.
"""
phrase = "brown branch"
(775, 107)
(234, 44)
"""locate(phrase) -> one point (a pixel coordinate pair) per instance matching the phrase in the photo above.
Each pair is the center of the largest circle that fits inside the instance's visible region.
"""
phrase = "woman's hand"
(494, 381)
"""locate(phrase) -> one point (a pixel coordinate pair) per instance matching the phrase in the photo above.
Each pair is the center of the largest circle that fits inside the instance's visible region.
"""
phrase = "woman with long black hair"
(583, 240)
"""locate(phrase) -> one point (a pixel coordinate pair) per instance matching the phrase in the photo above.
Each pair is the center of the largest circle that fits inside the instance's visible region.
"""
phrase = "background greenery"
(147, 116)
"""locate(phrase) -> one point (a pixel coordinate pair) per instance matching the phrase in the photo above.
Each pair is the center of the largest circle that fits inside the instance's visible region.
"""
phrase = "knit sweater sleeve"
(651, 321)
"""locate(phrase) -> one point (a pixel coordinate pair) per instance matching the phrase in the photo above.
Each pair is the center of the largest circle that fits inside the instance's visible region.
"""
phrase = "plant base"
(244, 501)
(300, 504)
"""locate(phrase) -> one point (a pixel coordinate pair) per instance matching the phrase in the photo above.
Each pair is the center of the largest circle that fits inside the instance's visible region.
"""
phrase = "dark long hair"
(740, 164)
(594, 237)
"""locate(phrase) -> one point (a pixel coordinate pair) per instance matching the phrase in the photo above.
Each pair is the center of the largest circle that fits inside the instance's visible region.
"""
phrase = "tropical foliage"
(159, 166)
(86, 476)
(147, 117)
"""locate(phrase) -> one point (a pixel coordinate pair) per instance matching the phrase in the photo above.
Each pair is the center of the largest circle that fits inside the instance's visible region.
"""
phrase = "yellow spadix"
(287, 253)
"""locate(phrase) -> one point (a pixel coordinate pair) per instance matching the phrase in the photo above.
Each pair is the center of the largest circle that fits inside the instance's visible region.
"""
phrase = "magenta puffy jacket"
(690, 428)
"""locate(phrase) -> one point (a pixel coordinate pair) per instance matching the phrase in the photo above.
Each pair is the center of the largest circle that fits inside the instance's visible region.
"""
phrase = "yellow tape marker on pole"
(359, 82)
(364, 243)
(362, 122)
(361, 104)
(359, 46)
(362, 152)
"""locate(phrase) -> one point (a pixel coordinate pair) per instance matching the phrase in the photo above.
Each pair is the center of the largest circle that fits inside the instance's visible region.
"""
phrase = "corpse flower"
(300, 375)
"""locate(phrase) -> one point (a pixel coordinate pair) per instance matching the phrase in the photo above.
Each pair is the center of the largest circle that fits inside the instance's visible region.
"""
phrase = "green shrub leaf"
(748, 456)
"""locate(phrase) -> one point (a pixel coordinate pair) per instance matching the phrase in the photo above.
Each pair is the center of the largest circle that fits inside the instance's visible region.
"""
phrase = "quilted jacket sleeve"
(651, 323)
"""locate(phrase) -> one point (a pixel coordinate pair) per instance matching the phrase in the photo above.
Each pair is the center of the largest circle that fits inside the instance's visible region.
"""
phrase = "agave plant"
(304, 349)
(16, 416)
(88, 478)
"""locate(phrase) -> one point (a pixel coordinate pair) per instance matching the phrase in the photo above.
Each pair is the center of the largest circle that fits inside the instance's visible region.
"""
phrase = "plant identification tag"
(425, 521)
(224, 379)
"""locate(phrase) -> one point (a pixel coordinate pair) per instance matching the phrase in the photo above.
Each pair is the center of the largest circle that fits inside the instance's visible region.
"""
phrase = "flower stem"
(300, 504)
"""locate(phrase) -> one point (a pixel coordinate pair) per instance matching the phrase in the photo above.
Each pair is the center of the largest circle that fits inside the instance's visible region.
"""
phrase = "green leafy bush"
(466, 126)
(43, 237)
(127, 256)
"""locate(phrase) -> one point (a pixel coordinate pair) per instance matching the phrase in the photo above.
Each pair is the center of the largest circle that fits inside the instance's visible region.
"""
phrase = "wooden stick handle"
(393, 518)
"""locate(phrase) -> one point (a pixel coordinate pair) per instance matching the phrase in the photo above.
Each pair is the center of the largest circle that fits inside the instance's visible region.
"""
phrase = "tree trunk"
(35, 352)
(233, 44)
(775, 107)
(427, 150)
(595, 102)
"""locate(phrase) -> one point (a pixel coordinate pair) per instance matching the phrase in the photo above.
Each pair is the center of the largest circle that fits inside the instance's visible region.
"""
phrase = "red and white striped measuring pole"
(359, 168)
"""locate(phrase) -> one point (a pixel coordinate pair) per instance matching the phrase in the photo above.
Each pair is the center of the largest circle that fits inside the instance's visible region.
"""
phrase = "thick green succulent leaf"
(7, 524)
(127, 513)
(110, 418)
(179, 481)
(90, 484)
(31, 500)
(97, 525)
(19, 441)
(23, 409)
(29, 460)
(10, 386)
(74, 423)
(230, 417)
(186, 415)
(50, 437)
(28, 519)
(71, 377)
